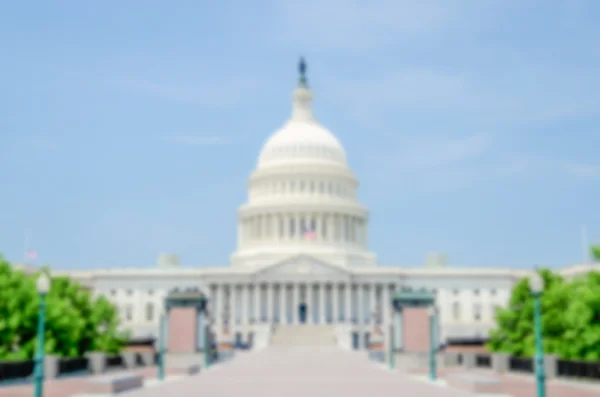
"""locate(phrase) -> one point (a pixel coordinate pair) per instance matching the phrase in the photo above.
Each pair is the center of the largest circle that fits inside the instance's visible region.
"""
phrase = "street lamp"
(536, 284)
(432, 343)
(43, 287)
(161, 346)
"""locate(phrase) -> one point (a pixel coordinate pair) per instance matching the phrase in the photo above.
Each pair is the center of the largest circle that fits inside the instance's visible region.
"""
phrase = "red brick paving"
(517, 385)
(301, 372)
(62, 387)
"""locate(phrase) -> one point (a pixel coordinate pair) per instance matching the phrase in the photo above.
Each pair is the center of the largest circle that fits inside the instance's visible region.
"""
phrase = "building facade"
(303, 255)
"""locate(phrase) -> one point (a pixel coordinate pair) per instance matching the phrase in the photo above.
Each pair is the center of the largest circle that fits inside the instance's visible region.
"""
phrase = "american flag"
(309, 233)
(31, 255)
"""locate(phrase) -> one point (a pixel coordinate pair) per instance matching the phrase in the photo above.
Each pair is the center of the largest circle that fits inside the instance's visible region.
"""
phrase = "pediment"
(302, 265)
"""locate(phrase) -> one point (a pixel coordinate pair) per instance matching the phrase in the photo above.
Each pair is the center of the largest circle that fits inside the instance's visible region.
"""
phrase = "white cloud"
(195, 140)
(583, 170)
(433, 153)
(355, 25)
(224, 91)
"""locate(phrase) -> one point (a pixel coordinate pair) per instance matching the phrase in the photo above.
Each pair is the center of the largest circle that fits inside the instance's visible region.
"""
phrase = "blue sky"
(130, 128)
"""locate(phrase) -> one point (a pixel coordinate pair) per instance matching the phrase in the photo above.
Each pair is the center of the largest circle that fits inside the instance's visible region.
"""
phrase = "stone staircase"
(304, 335)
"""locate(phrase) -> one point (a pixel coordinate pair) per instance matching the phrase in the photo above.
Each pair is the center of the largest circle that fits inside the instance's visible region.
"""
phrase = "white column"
(322, 298)
(282, 303)
(220, 304)
(348, 303)
(244, 302)
(373, 301)
(295, 303)
(257, 303)
(310, 303)
(360, 302)
(335, 297)
(385, 304)
(270, 301)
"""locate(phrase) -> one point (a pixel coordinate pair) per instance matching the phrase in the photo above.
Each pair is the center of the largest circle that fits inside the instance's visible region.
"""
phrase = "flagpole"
(26, 243)
(585, 245)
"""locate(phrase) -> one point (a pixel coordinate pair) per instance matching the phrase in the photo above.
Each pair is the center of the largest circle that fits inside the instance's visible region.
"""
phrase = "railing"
(71, 366)
(579, 369)
(521, 364)
(139, 361)
(12, 370)
(483, 361)
(114, 362)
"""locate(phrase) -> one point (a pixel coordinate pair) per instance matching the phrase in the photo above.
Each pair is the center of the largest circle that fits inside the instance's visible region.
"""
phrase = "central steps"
(304, 335)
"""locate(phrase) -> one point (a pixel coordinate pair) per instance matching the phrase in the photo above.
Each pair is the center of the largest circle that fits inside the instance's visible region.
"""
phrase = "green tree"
(75, 324)
(514, 332)
(18, 311)
(581, 339)
(596, 252)
(570, 318)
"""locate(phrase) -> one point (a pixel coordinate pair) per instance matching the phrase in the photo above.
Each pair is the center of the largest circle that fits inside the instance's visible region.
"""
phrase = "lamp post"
(43, 287)
(537, 286)
(207, 344)
(432, 343)
(161, 347)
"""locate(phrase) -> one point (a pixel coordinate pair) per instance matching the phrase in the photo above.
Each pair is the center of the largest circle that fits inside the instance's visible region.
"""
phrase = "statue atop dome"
(302, 70)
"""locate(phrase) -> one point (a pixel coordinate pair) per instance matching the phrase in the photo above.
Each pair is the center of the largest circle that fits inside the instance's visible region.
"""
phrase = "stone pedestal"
(129, 359)
(97, 362)
(551, 366)
(50, 367)
(148, 358)
(451, 359)
(469, 360)
(500, 362)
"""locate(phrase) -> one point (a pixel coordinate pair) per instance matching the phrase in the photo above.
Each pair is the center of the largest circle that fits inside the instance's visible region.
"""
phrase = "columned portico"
(302, 290)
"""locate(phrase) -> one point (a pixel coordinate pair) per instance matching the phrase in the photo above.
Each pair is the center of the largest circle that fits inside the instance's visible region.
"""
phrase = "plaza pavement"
(316, 372)
(299, 372)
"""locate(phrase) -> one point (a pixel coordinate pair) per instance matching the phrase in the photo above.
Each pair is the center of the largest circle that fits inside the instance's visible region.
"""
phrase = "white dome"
(302, 197)
(302, 139)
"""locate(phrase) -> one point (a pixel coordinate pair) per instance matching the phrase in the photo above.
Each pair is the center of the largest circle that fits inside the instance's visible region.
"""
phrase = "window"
(113, 292)
(302, 226)
(292, 186)
(322, 187)
(128, 312)
(150, 292)
(476, 292)
(292, 227)
(492, 292)
(477, 311)
(281, 227)
(456, 310)
(301, 186)
(455, 292)
(149, 311)
(129, 292)
(312, 187)
(324, 227)
(330, 188)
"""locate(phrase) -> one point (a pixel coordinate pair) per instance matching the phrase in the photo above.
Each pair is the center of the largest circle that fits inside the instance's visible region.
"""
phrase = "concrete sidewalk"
(300, 372)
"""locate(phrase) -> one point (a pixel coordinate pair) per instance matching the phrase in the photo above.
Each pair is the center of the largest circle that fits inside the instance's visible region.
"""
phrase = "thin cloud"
(226, 91)
(353, 25)
(43, 143)
(583, 170)
(195, 140)
(433, 153)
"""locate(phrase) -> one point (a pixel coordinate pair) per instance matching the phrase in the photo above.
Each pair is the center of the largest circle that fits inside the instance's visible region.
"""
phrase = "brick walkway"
(63, 387)
(517, 385)
(298, 372)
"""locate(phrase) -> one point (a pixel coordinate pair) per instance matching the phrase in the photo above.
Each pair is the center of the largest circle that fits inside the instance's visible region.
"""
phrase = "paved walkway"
(299, 372)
